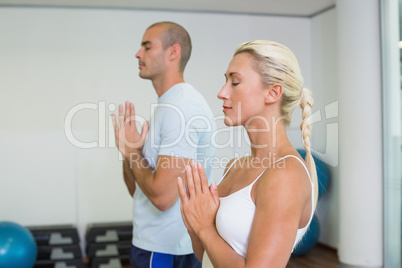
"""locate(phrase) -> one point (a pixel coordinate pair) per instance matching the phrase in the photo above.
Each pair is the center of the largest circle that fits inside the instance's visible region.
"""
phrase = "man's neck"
(163, 85)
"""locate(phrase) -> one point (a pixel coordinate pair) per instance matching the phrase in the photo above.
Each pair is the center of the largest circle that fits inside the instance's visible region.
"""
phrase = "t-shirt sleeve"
(180, 133)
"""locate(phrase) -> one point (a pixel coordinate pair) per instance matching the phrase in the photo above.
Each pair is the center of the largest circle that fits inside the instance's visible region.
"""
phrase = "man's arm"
(159, 184)
(129, 178)
(128, 120)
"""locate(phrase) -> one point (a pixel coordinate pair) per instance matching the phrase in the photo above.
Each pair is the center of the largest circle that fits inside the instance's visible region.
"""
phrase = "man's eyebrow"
(145, 43)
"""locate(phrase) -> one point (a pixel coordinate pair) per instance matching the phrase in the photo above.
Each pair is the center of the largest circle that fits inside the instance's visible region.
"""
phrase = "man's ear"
(174, 52)
(274, 93)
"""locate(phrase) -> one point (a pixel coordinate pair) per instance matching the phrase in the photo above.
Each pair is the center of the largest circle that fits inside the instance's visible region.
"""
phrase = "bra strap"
(286, 156)
(312, 186)
(224, 175)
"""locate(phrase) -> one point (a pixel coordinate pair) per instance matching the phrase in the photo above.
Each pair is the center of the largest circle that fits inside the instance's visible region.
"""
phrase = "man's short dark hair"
(176, 34)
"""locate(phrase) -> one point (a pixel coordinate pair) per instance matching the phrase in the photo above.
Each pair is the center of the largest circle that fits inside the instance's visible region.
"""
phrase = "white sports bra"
(236, 213)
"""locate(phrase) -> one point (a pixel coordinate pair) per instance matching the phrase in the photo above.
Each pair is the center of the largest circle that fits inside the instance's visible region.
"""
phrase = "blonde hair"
(277, 64)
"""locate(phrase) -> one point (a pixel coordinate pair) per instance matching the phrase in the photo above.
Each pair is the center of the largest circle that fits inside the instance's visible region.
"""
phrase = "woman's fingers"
(184, 202)
(199, 180)
(199, 204)
(203, 179)
(196, 177)
(215, 193)
(182, 191)
(190, 182)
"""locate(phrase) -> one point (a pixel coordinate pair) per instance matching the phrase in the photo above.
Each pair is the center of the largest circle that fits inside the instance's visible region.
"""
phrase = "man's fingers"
(144, 132)
(126, 114)
(116, 128)
(132, 109)
(114, 122)
(120, 109)
(121, 116)
(130, 114)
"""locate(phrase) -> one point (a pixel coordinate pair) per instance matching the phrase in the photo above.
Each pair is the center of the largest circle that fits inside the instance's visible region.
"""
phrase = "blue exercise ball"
(309, 240)
(17, 246)
(322, 172)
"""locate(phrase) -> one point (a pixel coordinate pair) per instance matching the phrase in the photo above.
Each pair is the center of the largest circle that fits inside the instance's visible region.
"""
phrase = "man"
(180, 130)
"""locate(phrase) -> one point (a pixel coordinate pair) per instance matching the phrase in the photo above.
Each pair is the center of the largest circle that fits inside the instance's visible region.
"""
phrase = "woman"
(264, 203)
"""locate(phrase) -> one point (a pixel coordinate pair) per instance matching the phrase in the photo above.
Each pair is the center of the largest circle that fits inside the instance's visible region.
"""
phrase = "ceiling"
(305, 8)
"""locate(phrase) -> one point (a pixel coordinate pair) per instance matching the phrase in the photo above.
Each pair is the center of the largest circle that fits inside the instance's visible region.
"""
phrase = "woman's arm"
(219, 252)
(198, 248)
(199, 206)
(281, 195)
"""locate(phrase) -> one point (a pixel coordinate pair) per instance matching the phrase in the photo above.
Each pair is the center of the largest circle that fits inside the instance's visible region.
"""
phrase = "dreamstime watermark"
(219, 138)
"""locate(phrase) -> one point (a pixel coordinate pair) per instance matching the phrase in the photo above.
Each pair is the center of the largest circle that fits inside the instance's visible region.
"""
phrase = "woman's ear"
(274, 93)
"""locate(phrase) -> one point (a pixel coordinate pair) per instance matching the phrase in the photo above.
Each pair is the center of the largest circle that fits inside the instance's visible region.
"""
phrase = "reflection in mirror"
(391, 35)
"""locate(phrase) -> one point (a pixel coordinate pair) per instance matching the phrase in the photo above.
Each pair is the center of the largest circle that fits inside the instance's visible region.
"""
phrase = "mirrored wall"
(391, 35)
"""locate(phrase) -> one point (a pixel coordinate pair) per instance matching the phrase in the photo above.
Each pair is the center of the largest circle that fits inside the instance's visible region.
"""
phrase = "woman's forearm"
(219, 252)
(198, 248)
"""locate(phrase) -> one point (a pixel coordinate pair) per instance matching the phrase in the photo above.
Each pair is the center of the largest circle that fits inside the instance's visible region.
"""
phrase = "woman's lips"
(226, 108)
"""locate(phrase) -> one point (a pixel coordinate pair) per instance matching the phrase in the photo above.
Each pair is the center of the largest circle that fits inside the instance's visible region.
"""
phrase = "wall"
(68, 69)
(361, 141)
(346, 66)
(325, 88)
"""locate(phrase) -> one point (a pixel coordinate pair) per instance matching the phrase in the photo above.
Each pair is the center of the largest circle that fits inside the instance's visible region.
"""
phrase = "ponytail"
(306, 102)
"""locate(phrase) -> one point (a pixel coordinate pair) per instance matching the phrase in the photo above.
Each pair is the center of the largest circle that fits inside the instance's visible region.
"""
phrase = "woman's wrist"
(205, 234)
(191, 233)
